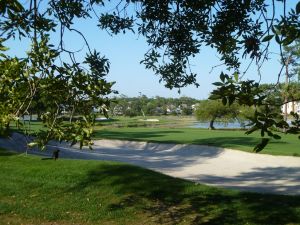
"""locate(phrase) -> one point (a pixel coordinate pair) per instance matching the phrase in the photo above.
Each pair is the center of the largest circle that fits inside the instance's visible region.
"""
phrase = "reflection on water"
(221, 125)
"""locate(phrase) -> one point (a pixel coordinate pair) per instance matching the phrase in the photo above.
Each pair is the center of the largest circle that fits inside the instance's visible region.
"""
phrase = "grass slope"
(235, 139)
(35, 191)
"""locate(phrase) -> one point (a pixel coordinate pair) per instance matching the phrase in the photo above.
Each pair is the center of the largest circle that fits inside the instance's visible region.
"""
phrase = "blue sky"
(125, 51)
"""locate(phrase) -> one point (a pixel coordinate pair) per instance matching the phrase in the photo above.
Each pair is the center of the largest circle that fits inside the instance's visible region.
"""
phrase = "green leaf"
(262, 133)
(251, 130)
(277, 39)
(217, 83)
(236, 76)
(86, 130)
(287, 41)
(298, 8)
(214, 97)
(276, 136)
(17, 6)
(224, 100)
(231, 99)
(267, 38)
(222, 77)
(259, 147)
(3, 48)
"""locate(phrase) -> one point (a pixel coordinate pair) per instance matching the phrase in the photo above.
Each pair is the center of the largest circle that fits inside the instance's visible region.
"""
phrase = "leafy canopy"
(175, 31)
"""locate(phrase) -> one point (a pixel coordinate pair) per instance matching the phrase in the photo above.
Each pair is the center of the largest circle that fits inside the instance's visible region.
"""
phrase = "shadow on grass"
(4, 152)
(47, 158)
(107, 121)
(173, 201)
(228, 141)
(225, 142)
(275, 177)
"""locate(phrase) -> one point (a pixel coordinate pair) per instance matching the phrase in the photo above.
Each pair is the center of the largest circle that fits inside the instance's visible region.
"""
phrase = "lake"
(218, 125)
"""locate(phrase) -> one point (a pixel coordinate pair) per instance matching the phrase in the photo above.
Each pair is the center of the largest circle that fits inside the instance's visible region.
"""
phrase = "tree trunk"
(143, 113)
(7, 127)
(72, 113)
(211, 124)
(286, 84)
(293, 105)
(39, 116)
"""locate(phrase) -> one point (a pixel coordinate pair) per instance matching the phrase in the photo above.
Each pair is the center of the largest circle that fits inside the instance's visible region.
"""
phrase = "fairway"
(35, 191)
(171, 129)
(234, 139)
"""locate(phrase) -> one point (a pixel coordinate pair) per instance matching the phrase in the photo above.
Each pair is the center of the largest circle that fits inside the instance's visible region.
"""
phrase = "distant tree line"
(142, 105)
(154, 106)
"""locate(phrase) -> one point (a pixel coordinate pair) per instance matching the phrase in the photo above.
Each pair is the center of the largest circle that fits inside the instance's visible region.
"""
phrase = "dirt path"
(209, 165)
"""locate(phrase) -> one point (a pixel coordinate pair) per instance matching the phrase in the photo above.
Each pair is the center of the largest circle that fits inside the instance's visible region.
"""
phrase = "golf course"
(131, 112)
(74, 191)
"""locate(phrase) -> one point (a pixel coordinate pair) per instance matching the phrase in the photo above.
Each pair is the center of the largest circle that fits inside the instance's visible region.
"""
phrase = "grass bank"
(35, 191)
(235, 139)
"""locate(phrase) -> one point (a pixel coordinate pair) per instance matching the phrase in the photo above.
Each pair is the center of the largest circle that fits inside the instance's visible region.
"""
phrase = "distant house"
(171, 108)
(194, 106)
(183, 106)
(118, 110)
(178, 110)
(291, 107)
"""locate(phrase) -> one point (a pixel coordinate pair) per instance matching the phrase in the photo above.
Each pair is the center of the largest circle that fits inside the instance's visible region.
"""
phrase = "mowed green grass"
(170, 129)
(139, 121)
(235, 139)
(35, 191)
(122, 121)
